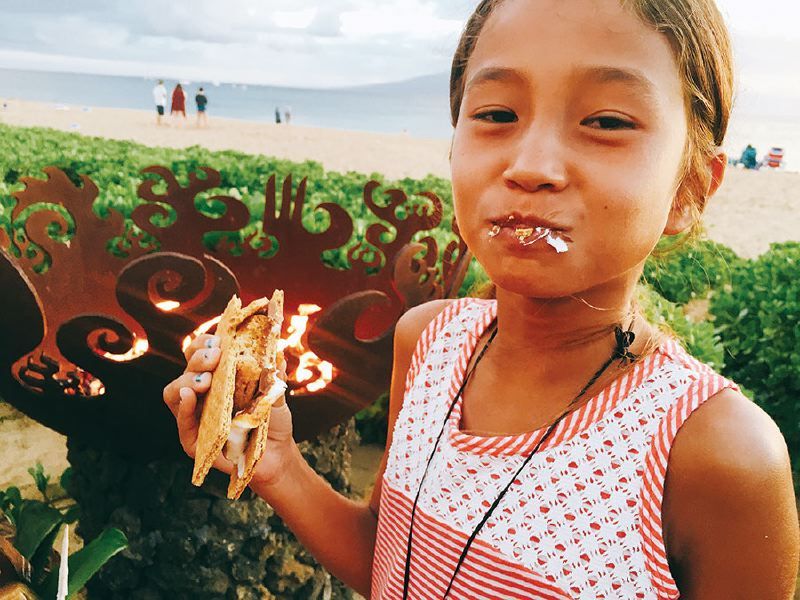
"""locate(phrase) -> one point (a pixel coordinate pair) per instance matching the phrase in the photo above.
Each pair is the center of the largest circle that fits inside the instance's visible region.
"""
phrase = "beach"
(751, 210)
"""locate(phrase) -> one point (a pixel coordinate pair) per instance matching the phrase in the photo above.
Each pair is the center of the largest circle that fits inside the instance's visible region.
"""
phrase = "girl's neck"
(560, 326)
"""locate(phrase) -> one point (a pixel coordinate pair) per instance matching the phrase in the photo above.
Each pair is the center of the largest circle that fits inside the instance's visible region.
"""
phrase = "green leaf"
(40, 478)
(41, 558)
(72, 514)
(66, 478)
(84, 563)
(35, 522)
(11, 504)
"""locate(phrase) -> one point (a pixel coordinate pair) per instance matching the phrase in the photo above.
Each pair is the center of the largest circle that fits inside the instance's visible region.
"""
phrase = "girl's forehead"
(560, 34)
(613, 13)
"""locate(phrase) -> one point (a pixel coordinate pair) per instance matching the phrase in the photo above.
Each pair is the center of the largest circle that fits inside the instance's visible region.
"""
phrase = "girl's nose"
(537, 161)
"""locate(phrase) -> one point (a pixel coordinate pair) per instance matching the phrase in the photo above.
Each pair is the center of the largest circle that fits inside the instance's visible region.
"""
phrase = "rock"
(246, 570)
(233, 514)
(193, 543)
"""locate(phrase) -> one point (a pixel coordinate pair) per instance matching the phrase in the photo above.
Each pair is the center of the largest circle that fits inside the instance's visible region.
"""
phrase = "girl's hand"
(182, 394)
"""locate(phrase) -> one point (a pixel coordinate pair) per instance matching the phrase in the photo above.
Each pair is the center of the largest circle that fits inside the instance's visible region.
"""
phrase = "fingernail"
(212, 342)
(198, 378)
(184, 393)
(209, 354)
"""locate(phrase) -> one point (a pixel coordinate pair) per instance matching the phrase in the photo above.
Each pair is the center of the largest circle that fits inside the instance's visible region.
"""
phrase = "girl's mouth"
(527, 234)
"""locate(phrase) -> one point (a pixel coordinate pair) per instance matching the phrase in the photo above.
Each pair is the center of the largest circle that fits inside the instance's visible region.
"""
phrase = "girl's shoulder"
(728, 436)
(415, 320)
(729, 491)
(435, 314)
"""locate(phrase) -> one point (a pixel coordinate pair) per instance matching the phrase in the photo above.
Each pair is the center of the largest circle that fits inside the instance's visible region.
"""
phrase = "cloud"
(290, 42)
(326, 23)
(313, 42)
(458, 10)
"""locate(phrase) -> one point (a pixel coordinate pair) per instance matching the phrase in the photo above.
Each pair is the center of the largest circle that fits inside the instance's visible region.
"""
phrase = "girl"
(550, 443)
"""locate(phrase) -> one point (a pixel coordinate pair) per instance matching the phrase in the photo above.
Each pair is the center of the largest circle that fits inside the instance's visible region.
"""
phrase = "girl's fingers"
(280, 422)
(205, 359)
(199, 383)
(223, 464)
(186, 418)
(201, 342)
(189, 425)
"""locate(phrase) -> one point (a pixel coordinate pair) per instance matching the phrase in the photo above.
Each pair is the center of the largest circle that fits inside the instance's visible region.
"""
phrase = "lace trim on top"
(594, 410)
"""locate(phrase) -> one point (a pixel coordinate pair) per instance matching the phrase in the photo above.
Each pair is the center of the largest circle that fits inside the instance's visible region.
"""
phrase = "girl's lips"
(528, 239)
(517, 220)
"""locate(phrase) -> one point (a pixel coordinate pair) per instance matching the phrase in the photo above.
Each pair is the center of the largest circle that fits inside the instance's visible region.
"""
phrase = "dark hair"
(701, 44)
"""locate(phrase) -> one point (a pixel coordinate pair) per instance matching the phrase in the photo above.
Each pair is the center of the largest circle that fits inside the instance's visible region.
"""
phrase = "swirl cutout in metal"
(92, 320)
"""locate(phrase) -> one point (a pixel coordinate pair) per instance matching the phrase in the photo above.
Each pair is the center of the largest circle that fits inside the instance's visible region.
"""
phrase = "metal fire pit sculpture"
(89, 343)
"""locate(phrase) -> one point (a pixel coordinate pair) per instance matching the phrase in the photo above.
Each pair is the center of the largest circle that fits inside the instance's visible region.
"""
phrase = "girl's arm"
(729, 507)
(340, 532)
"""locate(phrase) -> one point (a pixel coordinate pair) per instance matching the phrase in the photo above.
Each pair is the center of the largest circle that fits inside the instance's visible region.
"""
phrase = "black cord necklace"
(624, 339)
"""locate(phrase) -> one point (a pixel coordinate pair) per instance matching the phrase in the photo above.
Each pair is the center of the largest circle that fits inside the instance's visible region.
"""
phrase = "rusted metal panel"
(90, 340)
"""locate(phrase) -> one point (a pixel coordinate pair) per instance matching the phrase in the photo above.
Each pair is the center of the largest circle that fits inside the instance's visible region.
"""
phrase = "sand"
(751, 210)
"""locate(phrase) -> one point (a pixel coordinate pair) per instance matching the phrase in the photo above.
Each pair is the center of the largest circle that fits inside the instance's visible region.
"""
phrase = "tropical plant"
(758, 320)
(30, 528)
(691, 270)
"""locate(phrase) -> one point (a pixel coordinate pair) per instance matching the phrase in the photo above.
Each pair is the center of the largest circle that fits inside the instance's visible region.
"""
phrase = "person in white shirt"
(160, 98)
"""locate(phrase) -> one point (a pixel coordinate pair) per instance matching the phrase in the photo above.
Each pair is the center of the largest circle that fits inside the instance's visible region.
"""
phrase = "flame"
(311, 371)
(96, 388)
(139, 348)
(199, 331)
(168, 305)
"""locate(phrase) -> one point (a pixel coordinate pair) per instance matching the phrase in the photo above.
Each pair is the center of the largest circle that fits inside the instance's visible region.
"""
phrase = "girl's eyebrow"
(488, 74)
(635, 79)
(632, 78)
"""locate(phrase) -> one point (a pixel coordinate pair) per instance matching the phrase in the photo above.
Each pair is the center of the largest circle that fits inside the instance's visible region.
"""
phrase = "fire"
(168, 305)
(315, 374)
(96, 387)
(204, 328)
(305, 367)
(139, 348)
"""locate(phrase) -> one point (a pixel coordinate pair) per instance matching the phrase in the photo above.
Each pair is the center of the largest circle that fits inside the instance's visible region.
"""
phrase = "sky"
(319, 43)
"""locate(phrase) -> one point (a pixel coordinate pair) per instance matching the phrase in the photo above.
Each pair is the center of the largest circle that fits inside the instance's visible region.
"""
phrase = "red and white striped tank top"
(582, 521)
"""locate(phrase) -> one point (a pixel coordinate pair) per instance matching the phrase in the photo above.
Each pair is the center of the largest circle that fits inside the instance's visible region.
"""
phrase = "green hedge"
(115, 167)
(758, 319)
(690, 271)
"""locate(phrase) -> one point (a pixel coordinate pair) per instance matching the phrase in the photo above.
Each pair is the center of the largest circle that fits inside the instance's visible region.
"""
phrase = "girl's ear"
(681, 217)
(717, 166)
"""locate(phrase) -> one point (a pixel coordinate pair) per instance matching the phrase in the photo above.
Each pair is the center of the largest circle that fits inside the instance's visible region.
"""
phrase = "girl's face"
(573, 118)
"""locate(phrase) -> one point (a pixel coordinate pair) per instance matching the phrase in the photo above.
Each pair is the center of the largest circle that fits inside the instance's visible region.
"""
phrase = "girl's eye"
(608, 123)
(496, 116)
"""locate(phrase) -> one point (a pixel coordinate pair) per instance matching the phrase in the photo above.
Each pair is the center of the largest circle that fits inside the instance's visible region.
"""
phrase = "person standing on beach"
(202, 101)
(547, 439)
(160, 98)
(277, 115)
(287, 115)
(178, 101)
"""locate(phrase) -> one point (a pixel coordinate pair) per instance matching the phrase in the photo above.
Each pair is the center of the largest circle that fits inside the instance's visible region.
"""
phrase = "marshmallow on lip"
(528, 235)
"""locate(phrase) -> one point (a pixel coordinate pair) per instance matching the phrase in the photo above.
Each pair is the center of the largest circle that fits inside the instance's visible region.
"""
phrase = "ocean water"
(419, 107)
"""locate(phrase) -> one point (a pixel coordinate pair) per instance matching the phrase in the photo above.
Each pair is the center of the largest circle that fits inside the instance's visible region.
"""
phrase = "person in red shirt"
(178, 101)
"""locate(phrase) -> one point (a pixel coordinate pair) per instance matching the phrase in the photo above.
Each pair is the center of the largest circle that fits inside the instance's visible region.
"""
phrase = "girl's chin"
(531, 287)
